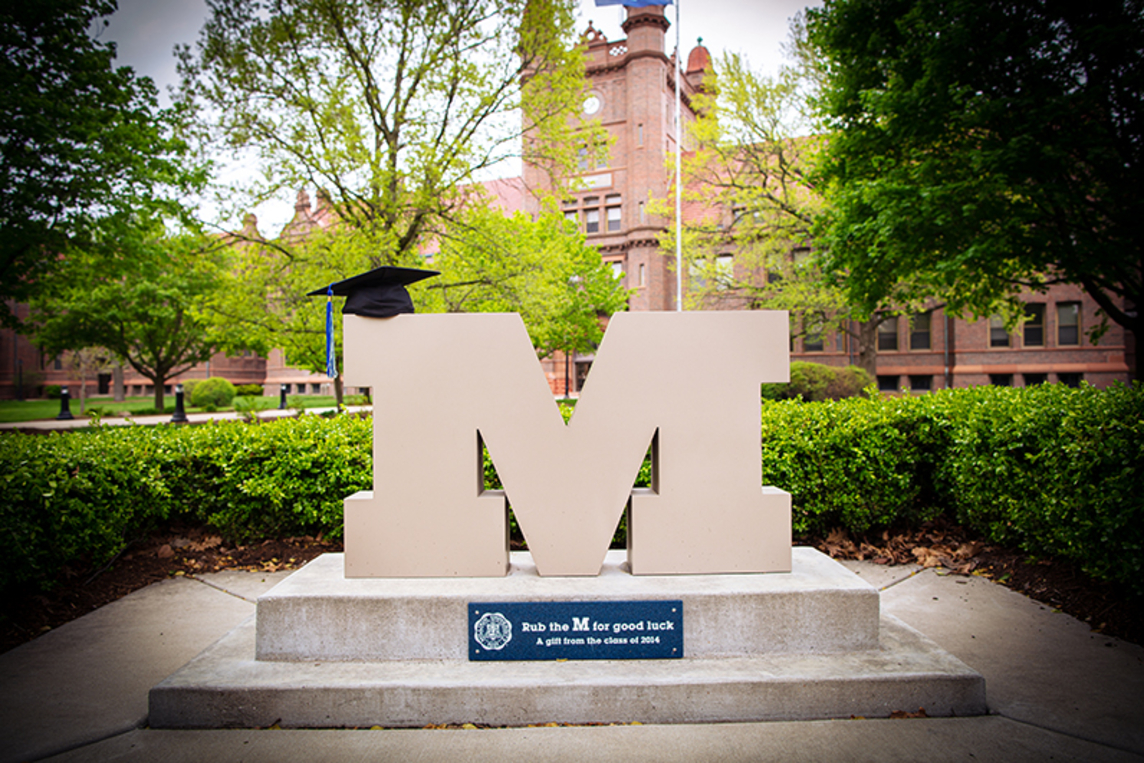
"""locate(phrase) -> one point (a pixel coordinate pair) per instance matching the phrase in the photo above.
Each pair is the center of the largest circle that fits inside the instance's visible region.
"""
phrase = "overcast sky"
(146, 32)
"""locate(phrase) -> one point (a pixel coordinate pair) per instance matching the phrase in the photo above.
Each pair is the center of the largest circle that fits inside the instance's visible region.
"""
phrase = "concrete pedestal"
(332, 652)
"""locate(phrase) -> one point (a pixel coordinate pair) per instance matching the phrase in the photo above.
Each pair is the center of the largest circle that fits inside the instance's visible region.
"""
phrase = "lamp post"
(282, 390)
(180, 416)
(65, 405)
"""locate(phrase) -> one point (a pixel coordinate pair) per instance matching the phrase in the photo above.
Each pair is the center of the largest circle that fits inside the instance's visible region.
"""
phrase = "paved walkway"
(193, 418)
(1056, 691)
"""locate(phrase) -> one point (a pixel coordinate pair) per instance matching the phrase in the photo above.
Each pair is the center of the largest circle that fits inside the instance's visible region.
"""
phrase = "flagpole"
(678, 170)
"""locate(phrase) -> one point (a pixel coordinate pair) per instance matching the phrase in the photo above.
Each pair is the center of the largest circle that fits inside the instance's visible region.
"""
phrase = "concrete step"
(226, 687)
(318, 614)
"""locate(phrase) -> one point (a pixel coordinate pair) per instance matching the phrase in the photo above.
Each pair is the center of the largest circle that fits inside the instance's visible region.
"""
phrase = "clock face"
(591, 104)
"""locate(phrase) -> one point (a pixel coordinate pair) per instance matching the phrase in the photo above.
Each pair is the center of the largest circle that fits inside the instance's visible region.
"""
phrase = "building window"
(639, 134)
(643, 214)
(921, 383)
(1068, 323)
(725, 269)
(1001, 380)
(920, 332)
(1034, 328)
(643, 274)
(617, 269)
(1031, 380)
(315, 389)
(812, 339)
(998, 336)
(1070, 380)
(582, 158)
(613, 219)
(591, 221)
(571, 216)
(887, 383)
(57, 364)
(888, 334)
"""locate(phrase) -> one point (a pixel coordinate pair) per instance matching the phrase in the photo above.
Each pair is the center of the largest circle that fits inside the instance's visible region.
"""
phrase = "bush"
(189, 389)
(53, 391)
(212, 393)
(78, 498)
(856, 463)
(1052, 470)
(248, 390)
(814, 382)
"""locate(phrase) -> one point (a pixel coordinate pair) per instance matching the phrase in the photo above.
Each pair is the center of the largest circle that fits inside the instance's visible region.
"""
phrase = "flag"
(633, 3)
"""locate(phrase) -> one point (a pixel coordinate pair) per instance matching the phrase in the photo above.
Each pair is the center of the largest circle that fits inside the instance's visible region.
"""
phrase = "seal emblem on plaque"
(493, 631)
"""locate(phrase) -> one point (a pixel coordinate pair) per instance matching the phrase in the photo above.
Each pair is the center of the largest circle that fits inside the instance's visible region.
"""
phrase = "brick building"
(632, 92)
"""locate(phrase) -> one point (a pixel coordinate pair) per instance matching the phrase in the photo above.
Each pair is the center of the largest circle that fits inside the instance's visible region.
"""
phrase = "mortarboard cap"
(380, 293)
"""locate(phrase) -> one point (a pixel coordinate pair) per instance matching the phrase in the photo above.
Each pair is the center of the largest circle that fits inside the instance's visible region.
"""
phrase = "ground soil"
(191, 551)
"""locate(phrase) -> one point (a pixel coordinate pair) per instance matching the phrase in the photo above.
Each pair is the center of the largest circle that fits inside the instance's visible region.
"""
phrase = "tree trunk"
(117, 390)
(158, 383)
(868, 345)
(339, 391)
(82, 385)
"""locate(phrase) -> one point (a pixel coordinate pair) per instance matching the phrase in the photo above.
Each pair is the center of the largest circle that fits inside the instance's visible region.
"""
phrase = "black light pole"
(180, 416)
(65, 405)
(282, 390)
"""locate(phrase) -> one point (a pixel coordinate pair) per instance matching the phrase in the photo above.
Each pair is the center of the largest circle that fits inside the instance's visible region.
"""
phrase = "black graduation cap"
(380, 293)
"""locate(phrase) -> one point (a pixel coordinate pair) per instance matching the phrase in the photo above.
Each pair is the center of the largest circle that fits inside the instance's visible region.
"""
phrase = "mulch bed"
(182, 550)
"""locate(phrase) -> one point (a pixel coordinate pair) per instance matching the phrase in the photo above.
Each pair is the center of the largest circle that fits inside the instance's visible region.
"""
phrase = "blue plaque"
(576, 630)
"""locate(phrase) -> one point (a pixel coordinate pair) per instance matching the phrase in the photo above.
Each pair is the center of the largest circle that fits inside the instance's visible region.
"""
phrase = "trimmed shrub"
(189, 390)
(215, 392)
(856, 463)
(1052, 470)
(76, 497)
(814, 382)
(248, 390)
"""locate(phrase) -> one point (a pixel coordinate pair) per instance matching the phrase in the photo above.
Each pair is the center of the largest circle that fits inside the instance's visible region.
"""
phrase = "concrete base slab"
(985, 739)
(319, 614)
(225, 687)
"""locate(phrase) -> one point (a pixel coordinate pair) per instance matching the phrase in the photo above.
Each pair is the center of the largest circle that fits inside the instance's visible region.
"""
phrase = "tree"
(391, 105)
(984, 148)
(395, 108)
(752, 176)
(542, 269)
(137, 295)
(80, 140)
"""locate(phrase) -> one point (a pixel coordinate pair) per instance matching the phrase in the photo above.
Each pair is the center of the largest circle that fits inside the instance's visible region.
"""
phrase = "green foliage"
(1052, 470)
(215, 391)
(81, 141)
(853, 463)
(983, 148)
(1049, 469)
(67, 499)
(542, 269)
(52, 391)
(814, 382)
(394, 109)
(248, 390)
(134, 292)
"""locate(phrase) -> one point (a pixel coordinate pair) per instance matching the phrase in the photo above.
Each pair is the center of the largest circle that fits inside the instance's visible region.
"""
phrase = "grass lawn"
(31, 410)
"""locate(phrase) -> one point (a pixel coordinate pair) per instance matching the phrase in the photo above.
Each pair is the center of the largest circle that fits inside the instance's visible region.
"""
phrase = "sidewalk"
(1056, 691)
(79, 422)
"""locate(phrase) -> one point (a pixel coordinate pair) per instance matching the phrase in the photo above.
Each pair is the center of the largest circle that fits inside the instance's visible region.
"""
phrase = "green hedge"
(80, 497)
(1048, 469)
(1052, 470)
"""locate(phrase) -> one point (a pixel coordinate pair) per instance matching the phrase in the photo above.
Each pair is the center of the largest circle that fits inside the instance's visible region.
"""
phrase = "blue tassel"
(331, 360)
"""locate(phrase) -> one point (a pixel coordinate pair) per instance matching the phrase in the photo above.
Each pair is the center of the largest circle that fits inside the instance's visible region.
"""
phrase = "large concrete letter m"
(685, 384)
